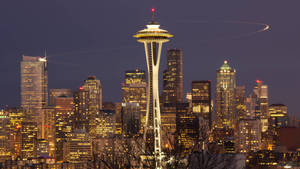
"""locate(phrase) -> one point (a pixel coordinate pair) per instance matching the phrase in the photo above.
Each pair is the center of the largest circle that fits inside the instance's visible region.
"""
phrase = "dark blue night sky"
(94, 37)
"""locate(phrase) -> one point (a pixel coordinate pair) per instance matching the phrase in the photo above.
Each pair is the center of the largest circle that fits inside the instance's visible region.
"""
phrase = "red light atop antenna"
(153, 9)
(258, 81)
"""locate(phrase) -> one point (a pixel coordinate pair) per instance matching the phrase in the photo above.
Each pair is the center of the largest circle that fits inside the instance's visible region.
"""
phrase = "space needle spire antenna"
(153, 12)
(153, 37)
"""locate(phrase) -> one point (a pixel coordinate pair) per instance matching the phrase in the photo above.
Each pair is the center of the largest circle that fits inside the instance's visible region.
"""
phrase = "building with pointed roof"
(225, 96)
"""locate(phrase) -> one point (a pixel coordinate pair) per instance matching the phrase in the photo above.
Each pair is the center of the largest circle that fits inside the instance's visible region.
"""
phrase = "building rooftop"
(92, 78)
(278, 104)
(225, 66)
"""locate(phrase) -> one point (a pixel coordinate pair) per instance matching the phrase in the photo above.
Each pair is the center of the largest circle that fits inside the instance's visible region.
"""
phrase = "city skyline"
(256, 56)
(70, 114)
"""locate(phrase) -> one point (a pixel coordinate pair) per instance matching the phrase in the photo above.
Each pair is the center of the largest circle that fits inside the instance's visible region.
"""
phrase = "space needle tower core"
(153, 37)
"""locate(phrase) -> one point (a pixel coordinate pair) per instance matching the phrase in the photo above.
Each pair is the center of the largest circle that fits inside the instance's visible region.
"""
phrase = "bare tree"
(202, 155)
(123, 152)
(128, 153)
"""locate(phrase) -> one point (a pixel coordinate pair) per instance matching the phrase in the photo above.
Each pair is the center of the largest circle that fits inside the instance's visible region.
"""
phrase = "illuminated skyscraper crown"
(226, 68)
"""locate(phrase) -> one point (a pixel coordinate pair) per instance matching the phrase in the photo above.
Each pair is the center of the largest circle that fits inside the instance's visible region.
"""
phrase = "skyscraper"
(257, 104)
(153, 37)
(201, 100)
(63, 123)
(94, 88)
(168, 123)
(34, 88)
(172, 94)
(261, 92)
(172, 77)
(187, 128)
(225, 96)
(48, 129)
(81, 117)
(134, 90)
(252, 106)
(240, 99)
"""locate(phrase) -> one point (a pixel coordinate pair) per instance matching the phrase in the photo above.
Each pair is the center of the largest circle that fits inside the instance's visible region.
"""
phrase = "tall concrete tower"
(153, 37)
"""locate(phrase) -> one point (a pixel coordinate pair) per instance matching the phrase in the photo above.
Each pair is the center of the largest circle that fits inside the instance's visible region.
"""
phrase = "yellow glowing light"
(43, 59)
(270, 147)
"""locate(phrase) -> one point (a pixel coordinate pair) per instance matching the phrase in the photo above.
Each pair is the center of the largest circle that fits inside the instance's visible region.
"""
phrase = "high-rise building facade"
(130, 119)
(118, 118)
(253, 106)
(17, 116)
(188, 98)
(172, 96)
(135, 77)
(63, 123)
(261, 91)
(78, 147)
(168, 124)
(201, 100)
(43, 148)
(106, 124)
(169, 128)
(48, 129)
(278, 116)
(187, 128)
(53, 93)
(134, 90)
(34, 88)
(240, 99)
(81, 117)
(257, 104)
(225, 96)
(173, 77)
(249, 135)
(5, 151)
(94, 88)
(29, 140)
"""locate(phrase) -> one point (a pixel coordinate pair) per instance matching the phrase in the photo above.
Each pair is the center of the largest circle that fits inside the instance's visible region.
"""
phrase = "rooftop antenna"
(45, 53)
(153, 11)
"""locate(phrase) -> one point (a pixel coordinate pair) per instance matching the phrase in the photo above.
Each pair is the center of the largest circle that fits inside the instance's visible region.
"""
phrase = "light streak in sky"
(264, 27)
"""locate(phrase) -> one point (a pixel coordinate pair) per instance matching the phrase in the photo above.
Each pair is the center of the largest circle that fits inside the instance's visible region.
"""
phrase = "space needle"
(153, 37)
